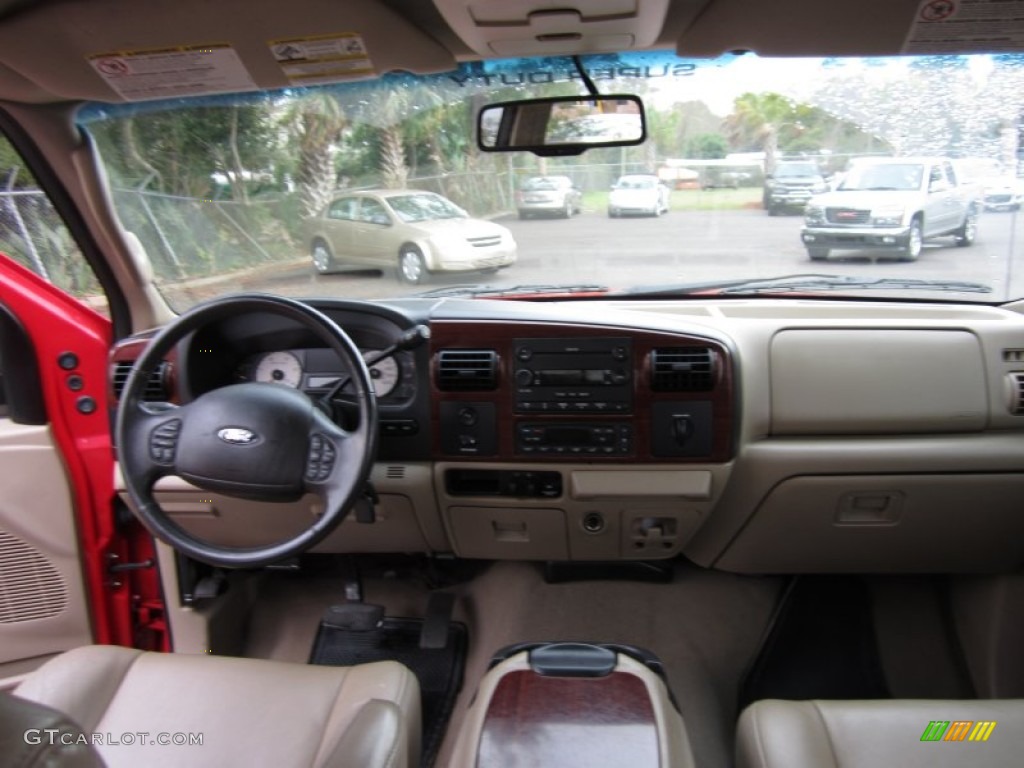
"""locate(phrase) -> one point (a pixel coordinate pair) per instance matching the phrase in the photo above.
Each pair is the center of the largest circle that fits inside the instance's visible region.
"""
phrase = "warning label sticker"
(322, 58)
(963, 26)
(168, 72)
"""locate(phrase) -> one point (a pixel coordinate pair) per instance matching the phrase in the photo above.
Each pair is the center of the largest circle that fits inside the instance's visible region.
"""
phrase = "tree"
(178, 151)
(755, 123)
(12, 167)
(316, 124)
(391, 140)
(707, 146)
(664, 131)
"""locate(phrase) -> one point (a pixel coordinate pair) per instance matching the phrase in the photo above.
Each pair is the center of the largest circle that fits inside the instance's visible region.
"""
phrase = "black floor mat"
(821, 646)
(438, 670)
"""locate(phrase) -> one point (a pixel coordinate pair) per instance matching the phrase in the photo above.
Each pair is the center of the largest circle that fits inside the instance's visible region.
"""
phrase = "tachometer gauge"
(384, 374)
(279, 368)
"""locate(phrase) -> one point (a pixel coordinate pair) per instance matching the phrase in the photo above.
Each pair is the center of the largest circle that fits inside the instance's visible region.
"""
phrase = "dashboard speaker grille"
(1016, 381)
(30, 587)
(156, 389)
(464, 370)
(682, 369)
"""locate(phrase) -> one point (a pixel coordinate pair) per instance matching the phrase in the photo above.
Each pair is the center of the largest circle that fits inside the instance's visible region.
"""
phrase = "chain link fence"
(34, 235)
(190, 238)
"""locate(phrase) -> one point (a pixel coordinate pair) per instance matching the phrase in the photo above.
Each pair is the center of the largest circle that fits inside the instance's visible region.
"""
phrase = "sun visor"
(15, 87)
(801, 28)
(119, 50)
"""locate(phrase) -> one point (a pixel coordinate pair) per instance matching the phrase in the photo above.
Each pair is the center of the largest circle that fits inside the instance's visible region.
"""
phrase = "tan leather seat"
(874, 734)
(246, 712)
(34, 736)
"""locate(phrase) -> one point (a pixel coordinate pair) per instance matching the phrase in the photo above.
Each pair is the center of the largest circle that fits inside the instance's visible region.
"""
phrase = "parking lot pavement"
(690, 246)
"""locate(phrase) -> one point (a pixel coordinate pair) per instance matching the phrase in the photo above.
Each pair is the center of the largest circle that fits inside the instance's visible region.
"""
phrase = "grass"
(691, 199)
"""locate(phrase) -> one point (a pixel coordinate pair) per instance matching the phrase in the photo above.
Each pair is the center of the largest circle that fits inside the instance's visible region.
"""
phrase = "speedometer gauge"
(279, 368)
(384, 374)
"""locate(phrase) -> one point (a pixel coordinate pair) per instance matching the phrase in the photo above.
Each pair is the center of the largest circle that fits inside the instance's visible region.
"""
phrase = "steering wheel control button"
(321, 459)
(67, 360)
(86, 405)
(163, 442)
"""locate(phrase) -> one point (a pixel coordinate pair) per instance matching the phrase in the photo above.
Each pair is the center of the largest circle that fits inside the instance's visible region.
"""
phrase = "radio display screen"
(568, 436)
(560, 378)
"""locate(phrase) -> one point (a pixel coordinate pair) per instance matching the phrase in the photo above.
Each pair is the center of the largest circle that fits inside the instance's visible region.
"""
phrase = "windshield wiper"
(529, 291)
(811, 283)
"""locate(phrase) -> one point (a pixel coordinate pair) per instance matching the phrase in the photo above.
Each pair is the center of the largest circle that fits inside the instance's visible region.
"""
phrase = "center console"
(573, 704)
(595, 443)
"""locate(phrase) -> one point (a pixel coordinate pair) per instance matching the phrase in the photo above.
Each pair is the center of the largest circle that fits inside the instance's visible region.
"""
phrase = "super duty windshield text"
(537, 77)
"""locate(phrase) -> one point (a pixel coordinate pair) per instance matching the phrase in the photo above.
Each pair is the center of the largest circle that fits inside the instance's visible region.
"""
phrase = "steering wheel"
(258, 441)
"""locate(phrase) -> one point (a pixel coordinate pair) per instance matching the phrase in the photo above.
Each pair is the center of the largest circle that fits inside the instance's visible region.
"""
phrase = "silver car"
(549, 195)
(413, 231)
(638, 193)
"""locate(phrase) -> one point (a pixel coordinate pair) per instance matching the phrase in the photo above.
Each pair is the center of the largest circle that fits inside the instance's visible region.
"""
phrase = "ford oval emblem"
(237, 436)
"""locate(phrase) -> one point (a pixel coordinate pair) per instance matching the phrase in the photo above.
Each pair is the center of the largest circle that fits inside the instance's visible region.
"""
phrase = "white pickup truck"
(892, 203)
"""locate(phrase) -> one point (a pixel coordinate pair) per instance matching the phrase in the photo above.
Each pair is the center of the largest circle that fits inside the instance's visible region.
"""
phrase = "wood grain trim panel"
(537, 720)
(499, 336)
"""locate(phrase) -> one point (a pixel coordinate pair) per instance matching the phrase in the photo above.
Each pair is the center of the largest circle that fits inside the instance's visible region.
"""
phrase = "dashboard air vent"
(682, 369)
(1016, 388)
(1013, 355)
(462, 370)
(156, 390)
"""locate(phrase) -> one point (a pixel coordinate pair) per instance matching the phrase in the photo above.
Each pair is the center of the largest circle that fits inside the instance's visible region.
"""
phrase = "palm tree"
(389, 116)
(755, 122)
(317, 123)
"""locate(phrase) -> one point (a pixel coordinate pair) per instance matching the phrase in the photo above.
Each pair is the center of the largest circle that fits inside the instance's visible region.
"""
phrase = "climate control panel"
(604, 439)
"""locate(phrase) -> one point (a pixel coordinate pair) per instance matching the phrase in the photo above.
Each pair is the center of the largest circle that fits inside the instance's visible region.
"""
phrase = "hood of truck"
(866, 200)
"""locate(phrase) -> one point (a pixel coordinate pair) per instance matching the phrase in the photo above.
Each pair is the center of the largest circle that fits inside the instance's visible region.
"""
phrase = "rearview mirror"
(563, 125)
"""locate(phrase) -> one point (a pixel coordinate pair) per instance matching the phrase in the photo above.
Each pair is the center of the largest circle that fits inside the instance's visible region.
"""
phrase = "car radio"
(590, 376)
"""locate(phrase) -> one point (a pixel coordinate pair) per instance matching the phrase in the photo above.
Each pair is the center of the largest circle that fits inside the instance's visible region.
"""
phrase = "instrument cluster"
(316, 371)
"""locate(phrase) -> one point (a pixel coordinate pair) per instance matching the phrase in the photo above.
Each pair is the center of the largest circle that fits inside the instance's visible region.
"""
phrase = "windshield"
(895, 176)
(545, 184)
(635, 182)
(241, 192)
(412, 208)
(796, 169)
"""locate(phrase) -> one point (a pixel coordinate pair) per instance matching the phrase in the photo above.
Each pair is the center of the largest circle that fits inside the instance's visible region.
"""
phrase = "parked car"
(414, 232)
(644, 194)
(714, 178)
(892, 204)
(549, 195)
(791, 185)
(1003, 193)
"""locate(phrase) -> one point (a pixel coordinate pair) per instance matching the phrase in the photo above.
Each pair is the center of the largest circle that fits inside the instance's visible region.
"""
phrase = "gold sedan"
(412, 231)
